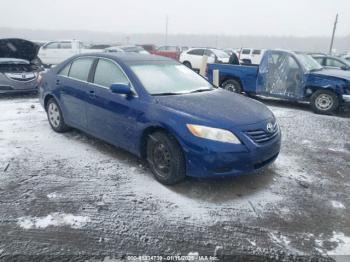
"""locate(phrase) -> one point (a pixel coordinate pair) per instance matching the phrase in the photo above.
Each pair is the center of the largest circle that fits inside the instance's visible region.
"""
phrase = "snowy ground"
(70, 196)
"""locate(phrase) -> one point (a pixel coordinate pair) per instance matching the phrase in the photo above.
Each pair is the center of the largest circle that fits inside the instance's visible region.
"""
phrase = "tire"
(165, 158)
(55, 116)
(188, 64)
(232, 85)
(324, 102)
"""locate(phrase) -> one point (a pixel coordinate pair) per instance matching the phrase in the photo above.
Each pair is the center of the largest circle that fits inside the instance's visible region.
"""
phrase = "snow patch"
(53, 219)
(337, 204)
(343, 248)
(53, 195)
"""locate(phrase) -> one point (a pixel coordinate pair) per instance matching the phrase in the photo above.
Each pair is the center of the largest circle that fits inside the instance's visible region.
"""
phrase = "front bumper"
(214, 159)
(10, 90)
(231, 160)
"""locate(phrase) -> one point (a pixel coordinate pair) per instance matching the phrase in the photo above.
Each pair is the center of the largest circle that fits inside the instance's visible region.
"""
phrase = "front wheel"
(232, 85)
(165, 158)
(324, 102)
(54, 114)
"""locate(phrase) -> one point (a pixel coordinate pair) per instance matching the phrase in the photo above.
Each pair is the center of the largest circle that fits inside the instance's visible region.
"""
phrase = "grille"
(22, 77)
(261, 136)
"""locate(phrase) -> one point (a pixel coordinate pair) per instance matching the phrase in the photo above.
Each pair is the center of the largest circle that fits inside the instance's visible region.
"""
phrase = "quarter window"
(80, 68)
(108, 73)
(246, 51)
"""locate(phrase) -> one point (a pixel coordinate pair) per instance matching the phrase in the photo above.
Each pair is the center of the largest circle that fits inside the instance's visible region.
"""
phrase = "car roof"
(127, 57)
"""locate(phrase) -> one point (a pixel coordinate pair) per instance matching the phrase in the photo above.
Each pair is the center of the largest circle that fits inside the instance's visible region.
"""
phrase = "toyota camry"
(161, 111)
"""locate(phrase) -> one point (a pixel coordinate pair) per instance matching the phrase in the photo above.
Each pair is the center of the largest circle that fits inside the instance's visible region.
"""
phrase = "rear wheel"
(54, 114)
(165, 158)
(324, 102)
(232, 85)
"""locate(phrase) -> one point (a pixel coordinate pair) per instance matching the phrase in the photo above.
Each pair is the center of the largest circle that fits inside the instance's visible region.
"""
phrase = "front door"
(113, 117)
(280, 75)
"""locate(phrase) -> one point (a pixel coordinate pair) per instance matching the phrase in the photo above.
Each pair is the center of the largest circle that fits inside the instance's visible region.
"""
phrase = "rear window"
(66, 45)
(256, 52)
(246, 51)
(80, 68)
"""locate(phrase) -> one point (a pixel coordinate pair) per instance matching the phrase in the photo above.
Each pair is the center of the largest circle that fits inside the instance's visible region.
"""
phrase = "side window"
(66, 45)
(53, 45)
(65, 70)
(199, 52)
(208, 53)
(172, 48)
(80, 68)
(162, 48)
(107, 73)
(256, 52)
(333, 62)
(319, 60)
(292, 63)
(246, 51)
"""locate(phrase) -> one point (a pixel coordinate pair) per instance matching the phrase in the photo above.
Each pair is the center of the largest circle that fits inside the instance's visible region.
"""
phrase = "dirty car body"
(19, 68)
(156, 103)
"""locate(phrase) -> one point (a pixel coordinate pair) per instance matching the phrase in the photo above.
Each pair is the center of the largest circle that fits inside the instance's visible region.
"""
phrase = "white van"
(251, 55)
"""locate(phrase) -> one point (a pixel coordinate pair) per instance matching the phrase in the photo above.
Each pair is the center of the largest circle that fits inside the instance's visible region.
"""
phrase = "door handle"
(92, 93)
(57, 82)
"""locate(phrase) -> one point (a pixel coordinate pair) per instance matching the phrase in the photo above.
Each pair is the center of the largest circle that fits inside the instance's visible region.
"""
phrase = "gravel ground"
(70, 197)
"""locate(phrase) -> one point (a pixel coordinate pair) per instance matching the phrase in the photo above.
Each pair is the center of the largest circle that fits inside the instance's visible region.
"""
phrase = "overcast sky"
(230, 17)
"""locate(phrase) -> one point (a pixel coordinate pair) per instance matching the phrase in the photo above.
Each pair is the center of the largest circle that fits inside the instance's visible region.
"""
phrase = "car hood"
(333, 73)
(18, 48)
(229, 108)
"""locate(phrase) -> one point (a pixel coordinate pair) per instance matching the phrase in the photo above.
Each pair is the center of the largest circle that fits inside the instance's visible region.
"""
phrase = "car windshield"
(220, 53)
(171, 78)
(308, 62)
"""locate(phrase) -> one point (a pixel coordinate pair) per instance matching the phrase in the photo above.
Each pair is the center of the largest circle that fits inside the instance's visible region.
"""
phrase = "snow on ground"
(54, 219)
(75, 192)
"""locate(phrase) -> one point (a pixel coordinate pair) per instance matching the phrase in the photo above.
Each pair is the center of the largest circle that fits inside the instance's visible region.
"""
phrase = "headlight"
(212, 133)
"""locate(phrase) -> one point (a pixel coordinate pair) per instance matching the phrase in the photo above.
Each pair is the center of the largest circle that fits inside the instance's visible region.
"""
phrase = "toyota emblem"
(270, 127)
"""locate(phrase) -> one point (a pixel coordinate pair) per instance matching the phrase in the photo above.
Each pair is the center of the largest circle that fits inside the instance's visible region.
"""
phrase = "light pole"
(333, 34)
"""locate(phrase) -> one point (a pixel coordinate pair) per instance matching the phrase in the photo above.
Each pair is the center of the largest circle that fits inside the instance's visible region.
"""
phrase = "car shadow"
(342, 112)
(19, 96)
(214, 190)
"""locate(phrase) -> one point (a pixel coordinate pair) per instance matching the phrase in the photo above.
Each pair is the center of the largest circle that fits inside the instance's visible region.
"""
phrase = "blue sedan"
(161, 111)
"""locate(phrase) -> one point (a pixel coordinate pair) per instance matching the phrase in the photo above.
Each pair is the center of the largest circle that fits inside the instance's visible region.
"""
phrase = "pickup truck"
(55, 52)
(288, 75)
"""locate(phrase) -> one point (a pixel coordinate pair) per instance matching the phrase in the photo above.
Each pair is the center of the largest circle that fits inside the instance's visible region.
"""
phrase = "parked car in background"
(160, 110)
(168, 51)
(148, 47)
(19, 67)
(193, 57)
(251, 56)
(55, 52)
(346, 57)
(126, 49)
(332, 62)
(288, 75)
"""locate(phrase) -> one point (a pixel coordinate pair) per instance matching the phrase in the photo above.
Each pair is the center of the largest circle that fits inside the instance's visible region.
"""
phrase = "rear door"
(111, 116)
(75, 91)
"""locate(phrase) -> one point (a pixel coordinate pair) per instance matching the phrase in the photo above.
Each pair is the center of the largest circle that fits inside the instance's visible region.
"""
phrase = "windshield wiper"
(167, 94)
(201, 90)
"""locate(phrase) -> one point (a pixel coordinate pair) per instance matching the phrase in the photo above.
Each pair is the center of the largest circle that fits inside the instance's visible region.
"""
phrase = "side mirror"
(120, 88)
